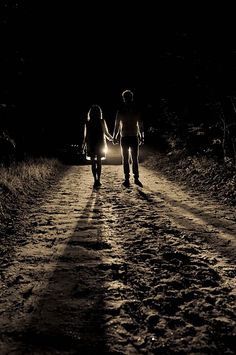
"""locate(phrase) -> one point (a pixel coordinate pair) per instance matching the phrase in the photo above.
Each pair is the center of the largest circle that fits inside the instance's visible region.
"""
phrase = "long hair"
(94, 114)
(94, 122)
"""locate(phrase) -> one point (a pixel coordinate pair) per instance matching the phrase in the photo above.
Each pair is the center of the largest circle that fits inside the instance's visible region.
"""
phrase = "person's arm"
(107, 134)
(141, 130)
(84, 139)
(116, 127)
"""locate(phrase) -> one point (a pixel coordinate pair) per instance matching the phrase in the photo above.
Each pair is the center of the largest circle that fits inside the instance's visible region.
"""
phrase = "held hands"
(115, 141)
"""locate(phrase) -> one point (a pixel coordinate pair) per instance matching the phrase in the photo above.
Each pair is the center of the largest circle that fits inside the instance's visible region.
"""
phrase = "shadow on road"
(69, 315)
(14, 227)
(194, 219)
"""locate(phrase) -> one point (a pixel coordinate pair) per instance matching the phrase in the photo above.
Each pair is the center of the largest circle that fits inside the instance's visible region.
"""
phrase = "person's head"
(127, 96)
(95, 113)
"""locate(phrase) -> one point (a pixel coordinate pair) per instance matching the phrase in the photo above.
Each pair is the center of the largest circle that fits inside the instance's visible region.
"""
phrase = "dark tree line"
(186, 80)
(208, 129)
(196, 112)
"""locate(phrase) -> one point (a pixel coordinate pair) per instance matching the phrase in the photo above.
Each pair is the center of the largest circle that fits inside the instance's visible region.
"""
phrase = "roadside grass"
(22, 180)
(198, 173)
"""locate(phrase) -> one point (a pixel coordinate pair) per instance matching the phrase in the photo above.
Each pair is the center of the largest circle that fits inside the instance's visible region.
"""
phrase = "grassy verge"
(198, 173)
(22, 182)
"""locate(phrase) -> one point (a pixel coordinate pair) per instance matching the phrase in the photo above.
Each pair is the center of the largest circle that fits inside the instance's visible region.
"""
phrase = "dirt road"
(121, 271)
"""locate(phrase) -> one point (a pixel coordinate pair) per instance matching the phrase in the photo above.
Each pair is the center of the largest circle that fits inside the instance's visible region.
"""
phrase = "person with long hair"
(94, 143)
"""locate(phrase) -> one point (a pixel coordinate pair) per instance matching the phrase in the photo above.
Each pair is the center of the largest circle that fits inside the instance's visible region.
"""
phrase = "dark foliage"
(210, 131)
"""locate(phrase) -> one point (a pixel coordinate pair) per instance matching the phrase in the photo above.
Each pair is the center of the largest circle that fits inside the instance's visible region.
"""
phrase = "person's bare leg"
(99, 169)
(94, 169)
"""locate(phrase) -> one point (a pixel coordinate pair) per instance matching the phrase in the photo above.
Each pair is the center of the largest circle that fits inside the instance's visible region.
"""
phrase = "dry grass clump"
(22, 180)
(198, 173)
(19, 178)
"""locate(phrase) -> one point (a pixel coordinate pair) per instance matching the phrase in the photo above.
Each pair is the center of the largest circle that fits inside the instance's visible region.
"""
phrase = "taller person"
(129, 126)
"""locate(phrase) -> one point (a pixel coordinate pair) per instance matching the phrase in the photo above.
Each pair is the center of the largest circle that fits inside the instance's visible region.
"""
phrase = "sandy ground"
(120, 271)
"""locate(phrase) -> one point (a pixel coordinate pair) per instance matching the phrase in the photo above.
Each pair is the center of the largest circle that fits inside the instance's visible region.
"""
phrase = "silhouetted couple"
(128, 125)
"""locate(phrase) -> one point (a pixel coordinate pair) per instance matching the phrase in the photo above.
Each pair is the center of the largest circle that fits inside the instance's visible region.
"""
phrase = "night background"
(91, 264)
(58, 60)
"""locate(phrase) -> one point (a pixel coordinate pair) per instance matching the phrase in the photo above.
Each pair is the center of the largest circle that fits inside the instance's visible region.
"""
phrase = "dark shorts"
(129, 142)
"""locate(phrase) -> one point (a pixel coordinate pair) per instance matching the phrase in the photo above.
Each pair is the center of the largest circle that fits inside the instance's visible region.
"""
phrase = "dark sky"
(58, 59)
